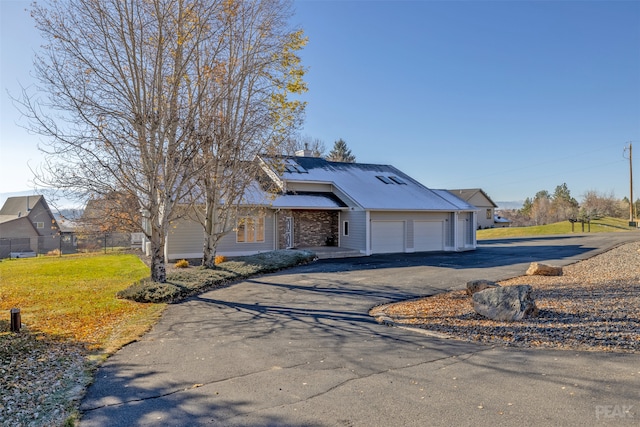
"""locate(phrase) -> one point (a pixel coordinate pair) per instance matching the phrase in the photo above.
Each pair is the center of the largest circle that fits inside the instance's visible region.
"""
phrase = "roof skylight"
(397, 180)
(384, 179)
(292, 166)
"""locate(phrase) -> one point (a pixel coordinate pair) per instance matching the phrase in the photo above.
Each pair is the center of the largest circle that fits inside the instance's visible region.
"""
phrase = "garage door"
(387, 237)
(428, 236)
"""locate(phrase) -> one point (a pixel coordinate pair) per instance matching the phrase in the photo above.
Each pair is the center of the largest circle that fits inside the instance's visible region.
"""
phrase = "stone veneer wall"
(310, 227)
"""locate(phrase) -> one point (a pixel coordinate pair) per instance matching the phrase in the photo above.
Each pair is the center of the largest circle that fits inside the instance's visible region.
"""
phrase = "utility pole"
(632, 222)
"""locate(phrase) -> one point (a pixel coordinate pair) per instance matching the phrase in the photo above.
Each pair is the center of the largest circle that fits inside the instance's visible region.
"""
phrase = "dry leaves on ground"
(40, 379)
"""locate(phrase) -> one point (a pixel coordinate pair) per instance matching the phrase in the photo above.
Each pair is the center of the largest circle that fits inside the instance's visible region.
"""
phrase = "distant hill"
(514, 204)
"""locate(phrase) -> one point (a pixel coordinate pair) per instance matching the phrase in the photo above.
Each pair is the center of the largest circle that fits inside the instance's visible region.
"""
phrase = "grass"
(601, 225)
(74, 298)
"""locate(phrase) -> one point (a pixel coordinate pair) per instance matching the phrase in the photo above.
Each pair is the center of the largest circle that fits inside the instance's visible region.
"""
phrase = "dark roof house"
(28, 217)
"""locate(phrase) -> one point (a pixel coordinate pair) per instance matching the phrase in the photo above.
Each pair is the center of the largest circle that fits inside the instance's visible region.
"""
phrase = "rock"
(474, 286)
(537, 269)
(505, 303)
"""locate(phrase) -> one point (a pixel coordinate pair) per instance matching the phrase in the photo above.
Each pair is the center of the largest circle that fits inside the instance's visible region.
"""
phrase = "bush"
(183, 263)
(55, 252)
(181, 284)
(220, 259)
(148, 291)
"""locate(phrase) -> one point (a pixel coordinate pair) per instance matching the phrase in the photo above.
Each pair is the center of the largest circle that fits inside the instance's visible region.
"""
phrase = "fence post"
(15, 320)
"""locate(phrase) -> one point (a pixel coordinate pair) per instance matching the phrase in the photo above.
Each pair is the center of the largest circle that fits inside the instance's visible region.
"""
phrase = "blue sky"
(509, 96)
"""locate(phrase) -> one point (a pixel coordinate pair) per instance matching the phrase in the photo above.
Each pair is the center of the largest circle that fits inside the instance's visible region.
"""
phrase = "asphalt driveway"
(297, 348)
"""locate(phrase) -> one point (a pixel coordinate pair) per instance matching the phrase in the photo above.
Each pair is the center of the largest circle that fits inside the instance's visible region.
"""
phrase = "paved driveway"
(297, 348)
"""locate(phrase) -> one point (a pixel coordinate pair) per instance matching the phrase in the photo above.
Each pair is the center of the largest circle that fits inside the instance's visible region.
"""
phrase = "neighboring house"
(27, 225)
(482, 201)
(361, 207)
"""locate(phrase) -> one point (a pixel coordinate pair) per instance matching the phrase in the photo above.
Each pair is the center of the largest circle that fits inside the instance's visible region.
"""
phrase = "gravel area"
(594, 305)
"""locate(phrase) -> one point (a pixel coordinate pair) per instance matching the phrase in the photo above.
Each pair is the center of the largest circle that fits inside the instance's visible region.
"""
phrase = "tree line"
(546, 208)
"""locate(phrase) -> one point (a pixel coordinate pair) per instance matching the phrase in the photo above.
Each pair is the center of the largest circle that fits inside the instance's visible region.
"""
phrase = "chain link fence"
(68, 243)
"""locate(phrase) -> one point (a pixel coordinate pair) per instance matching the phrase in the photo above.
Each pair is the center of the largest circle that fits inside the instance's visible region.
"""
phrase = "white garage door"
(428, 236)
(387, 237)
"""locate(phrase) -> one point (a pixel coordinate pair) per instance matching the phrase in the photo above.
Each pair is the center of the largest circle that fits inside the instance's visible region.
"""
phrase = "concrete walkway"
(298, 349)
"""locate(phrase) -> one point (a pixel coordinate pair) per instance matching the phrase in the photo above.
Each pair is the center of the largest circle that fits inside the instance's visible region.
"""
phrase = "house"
(366, 208)
(27, 225)
(478, 198)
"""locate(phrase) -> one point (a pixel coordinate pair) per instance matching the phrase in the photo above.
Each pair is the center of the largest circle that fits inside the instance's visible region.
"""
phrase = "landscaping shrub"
(183, 283)
(55, 252)
(220, 259)
(147, 290)
(183, 263)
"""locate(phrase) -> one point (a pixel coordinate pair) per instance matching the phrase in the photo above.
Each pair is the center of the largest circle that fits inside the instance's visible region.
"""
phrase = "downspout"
(275, 229)
(367, 220)
(456, 226)
(474, 217)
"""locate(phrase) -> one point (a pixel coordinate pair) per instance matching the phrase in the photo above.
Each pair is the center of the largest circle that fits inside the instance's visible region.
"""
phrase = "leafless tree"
(596, 204)
(298, 143)
(248, 111)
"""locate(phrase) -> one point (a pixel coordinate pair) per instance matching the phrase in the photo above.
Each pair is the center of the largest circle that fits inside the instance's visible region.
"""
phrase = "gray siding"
(357, 237)
(186, 238)
(184, 241)
(450, 241)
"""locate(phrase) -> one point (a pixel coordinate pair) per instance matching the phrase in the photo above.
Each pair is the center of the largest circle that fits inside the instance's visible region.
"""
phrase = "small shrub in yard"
(147, 290)
(55, 252)
(183, 263)
(220, 259)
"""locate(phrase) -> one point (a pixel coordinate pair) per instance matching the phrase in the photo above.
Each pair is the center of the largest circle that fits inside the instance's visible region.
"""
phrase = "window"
(489, 214)
(345, 228)
(250, 229)
(397, 180)
(384, 179)
(39, 224)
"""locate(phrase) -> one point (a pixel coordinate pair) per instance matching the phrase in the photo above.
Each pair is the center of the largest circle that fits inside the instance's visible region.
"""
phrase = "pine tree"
(341, 153)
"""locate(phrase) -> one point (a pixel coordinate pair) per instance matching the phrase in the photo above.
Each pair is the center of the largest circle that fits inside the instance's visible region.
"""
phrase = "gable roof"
(371, 186)
(20, 207)
(467, 194)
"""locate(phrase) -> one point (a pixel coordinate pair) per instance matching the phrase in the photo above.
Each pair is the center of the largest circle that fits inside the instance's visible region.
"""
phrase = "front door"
(288, 232)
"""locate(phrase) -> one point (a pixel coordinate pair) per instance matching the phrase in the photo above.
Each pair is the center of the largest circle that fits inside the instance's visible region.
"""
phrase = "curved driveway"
(297, 348)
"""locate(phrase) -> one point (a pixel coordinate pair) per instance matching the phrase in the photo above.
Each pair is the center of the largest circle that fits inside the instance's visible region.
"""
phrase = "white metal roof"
(373, 187)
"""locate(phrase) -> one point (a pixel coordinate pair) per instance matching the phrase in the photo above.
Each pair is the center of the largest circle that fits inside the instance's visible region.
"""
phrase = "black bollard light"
(15, 320)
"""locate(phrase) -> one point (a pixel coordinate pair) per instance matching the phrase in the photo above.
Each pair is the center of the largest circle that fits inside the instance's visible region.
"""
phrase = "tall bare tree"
(249, 109)
(125, 100)
(308, 143)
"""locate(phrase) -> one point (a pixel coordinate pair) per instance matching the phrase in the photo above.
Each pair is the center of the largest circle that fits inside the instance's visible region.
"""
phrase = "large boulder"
(474, 286)
(537, 269)
(505, 303)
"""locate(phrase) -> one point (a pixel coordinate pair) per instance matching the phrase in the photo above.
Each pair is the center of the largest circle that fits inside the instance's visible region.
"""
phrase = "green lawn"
(597, 226)
(73, 297)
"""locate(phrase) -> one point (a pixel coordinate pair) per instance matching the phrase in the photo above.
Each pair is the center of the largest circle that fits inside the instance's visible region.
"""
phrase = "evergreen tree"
(341, 153)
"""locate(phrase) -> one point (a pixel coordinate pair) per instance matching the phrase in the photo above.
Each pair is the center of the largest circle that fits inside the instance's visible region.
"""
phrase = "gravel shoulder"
(594, 305)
